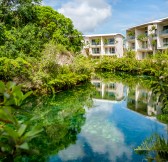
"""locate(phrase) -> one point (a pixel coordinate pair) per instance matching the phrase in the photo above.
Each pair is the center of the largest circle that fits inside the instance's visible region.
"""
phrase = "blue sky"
(109, 16)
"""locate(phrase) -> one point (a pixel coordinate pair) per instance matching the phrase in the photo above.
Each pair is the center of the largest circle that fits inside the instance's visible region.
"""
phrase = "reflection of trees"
(143, 94)
(160, 88)
(154, 148)
(61, 117)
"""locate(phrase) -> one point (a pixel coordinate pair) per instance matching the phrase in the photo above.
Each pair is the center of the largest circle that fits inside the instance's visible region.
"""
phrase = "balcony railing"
(109, 43)
(155, 35)
(142, 37)
(95, 43)
(108, 53)
(131, 37)
(164, 32)
(165, 44)
(144, 47)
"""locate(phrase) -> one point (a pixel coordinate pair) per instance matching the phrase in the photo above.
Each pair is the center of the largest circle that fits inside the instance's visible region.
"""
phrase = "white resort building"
(146, 38)
(103, 45)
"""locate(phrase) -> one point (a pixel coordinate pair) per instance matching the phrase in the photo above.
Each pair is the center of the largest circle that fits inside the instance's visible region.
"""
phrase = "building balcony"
(144, 49)
(165, 46)
(164, 33)
(109, 44)
(110, 54)
(131, 38)
(142, 37)
(95, 44)
(154, 36)
(95, 54)
(132, 48)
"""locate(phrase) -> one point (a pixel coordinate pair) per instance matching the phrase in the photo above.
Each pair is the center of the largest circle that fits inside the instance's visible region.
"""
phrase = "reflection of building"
(143, 101)
(103, 45)
(109, 91)
(144, 39)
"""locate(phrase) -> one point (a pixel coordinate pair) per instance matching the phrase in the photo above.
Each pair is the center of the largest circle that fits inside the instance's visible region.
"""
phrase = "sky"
(109, 16)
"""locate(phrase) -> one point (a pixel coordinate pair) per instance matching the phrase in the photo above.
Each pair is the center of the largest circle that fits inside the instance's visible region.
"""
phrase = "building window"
(95, 41)
(111, 50)
(133, 45)
(95, 50)
(165, 27)
(155, 32)
(97, 85)
(143, 55)
(111, 41)
(112, 86)
(106, 50)
(165, 42)
(146, 31)
(145, 44)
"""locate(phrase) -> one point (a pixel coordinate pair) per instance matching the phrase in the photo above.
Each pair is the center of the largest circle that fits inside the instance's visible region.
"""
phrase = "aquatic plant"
(154, 148)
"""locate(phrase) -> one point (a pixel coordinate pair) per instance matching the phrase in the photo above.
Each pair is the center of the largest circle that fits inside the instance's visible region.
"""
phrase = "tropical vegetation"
(39, 47)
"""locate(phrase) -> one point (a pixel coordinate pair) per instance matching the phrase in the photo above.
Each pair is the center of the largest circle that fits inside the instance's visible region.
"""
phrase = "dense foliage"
(37, 46)
(156, 66)
(26, 27)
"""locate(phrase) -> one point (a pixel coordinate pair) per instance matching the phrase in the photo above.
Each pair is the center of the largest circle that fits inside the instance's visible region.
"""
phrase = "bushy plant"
(10, 68)
(14, 133)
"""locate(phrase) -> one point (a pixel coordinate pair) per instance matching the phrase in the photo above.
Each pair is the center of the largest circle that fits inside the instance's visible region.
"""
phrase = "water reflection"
(111, 131)
(143, 101)
(100, 136)
(108, 91)
(138, 98)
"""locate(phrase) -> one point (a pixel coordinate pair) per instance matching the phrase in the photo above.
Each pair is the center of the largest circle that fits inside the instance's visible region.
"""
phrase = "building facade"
(103, 45)
(146, 39)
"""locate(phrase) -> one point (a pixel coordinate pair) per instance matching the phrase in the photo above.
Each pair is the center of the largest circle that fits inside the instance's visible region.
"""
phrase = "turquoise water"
(110, 133)
(120, 119)
(102, 121)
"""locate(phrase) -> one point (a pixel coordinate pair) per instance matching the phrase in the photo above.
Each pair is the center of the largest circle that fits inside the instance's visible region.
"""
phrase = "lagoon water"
(119, 120)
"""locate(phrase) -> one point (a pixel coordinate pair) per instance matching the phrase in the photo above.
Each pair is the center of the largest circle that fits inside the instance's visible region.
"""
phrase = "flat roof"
(148, 23)
(101, 35)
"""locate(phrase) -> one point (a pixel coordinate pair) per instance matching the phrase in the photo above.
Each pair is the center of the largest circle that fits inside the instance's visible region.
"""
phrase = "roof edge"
(148, 23)
(99, 35)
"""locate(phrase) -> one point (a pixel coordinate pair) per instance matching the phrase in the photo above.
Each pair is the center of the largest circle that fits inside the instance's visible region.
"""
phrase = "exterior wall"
(119, 46)
(159, 39)
(105, 48)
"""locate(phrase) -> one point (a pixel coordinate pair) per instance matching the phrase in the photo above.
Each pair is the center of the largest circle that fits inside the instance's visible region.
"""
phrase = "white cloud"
(87, 15)
(101, 135)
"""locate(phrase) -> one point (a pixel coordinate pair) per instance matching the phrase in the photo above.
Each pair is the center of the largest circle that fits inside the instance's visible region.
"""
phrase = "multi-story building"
(146, 38)
(103, 45)
(108, 91)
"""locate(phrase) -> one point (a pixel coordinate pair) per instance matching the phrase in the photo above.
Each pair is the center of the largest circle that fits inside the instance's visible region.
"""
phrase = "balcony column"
(103, 90)
(136, 97)
(102, 52)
